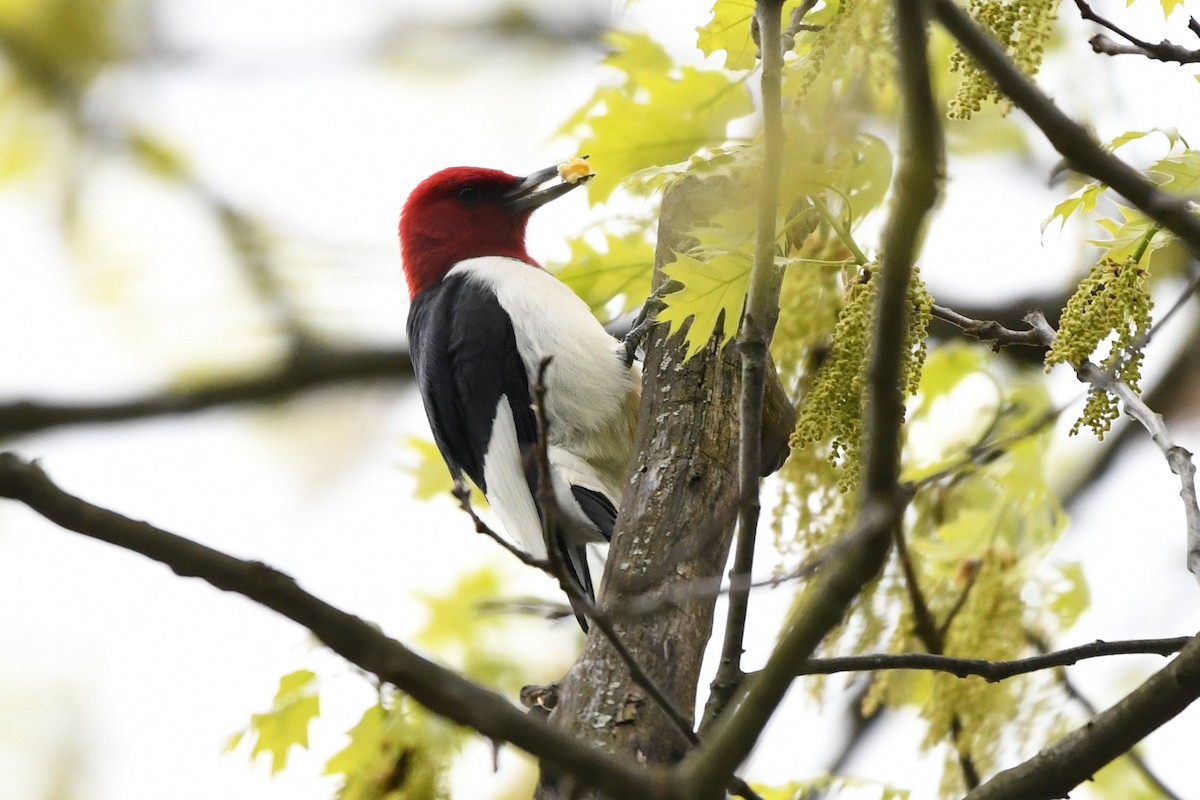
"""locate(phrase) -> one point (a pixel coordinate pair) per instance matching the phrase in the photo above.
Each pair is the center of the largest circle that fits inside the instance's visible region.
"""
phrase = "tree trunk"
(672, 536)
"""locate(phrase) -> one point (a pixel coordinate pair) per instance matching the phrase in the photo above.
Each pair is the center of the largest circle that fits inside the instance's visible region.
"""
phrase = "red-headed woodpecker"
(484, 315)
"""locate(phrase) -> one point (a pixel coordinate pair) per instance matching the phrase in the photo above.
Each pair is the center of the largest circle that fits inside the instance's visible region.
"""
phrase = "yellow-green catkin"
(810, 300)
(832, 415)
(835, 38)
(1113, 301)
(989, 626)
(1022, 27)
(850, 49)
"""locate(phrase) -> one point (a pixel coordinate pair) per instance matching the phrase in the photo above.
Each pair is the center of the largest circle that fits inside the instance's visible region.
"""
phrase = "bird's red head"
(467, 212)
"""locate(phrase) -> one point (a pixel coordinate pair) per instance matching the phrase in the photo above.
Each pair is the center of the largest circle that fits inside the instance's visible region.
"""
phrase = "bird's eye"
(469, 194)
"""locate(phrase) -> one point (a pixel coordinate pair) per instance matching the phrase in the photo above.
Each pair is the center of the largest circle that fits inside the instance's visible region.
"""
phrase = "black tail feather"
(603, 514)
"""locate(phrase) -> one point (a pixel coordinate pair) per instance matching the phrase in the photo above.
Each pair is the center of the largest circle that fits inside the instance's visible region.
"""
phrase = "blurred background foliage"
(213, 228)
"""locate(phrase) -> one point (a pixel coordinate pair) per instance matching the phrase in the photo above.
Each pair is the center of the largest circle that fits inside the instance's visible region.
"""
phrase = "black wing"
(465, 356)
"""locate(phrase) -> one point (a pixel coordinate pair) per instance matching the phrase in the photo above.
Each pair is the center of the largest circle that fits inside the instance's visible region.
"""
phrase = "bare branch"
(1059, 768)
(933, 636)
(989, 330)
(1178, 458)
(440, 690)
(313, 368)
(992, 671)
(1092, 710)
(1163, 51)
(758, 326)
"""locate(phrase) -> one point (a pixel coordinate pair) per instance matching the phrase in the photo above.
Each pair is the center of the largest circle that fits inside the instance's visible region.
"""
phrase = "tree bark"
(672, 536)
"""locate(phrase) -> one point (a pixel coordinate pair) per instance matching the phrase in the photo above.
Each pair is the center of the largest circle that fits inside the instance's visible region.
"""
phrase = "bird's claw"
(646, 319)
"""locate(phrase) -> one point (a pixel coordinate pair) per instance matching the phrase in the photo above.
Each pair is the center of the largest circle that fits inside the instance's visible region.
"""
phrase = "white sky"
(279, 111)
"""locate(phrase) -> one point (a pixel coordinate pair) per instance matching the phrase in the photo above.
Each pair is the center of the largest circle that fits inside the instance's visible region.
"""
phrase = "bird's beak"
(525, 196)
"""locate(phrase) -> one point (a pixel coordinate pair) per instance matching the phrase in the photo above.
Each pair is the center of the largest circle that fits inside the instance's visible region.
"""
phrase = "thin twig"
(993, 671)
(1175, 382)
(988, 330)
(758, 325)
(1163, 51)
(1178, 458)
(932, 635)
(961, 601)
(462, 493)
(1075, 758)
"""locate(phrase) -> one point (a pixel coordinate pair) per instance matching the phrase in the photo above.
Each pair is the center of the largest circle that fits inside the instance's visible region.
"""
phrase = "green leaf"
(395, 752)
(454, 614)
(293, 683)
(274, 732)
(946, 367)
(429, 470)
(729, 30)
(622, 269)
(726, 160)
(713, 294)
(659, 115)
(1172, 134)
(1129, 234)
(632, 54)
(1071, 596)
(667, 119)
(1082, 200)
(1179, 173)
(864, 169)
(432, 477)
(636, 53)
(1168, 6)
(366, 738)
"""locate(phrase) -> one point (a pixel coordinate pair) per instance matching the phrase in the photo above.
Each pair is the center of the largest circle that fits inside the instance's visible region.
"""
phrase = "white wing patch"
(508, 492)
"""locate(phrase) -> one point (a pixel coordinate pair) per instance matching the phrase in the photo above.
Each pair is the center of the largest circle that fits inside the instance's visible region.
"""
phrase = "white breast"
(591, 395)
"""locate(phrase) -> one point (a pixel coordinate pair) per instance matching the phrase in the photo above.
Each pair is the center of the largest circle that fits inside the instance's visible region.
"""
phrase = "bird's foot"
(543, 698)
(646, 319)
